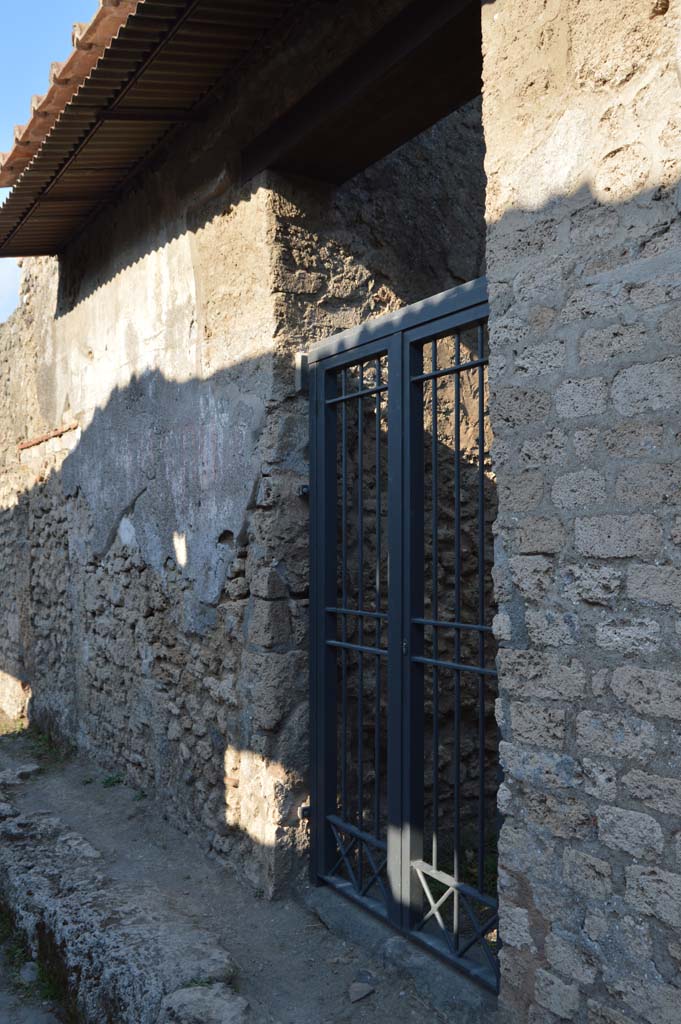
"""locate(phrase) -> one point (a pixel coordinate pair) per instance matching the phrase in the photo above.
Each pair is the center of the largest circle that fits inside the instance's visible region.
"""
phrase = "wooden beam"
(415, 71)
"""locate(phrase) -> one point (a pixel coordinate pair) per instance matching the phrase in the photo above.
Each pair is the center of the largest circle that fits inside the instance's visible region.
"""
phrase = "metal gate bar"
(473, 911)
(374, 776)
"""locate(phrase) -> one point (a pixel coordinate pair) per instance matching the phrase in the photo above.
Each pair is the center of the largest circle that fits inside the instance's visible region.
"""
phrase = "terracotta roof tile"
(89, 43)
(154, 72)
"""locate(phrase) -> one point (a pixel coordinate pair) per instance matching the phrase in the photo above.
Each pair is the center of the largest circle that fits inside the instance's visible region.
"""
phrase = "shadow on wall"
(131, 660)
(396, 218)
(152, 582)
(159, 590)
(115, 624)
(160, 613)
(154, 625)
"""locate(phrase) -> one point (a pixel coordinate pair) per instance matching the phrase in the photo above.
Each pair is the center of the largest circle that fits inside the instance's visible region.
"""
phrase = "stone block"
(537, 674)
(600, 779)
(238, 589)
(14, 696)
(600, 682)
(606, 344)
(504, 800)
(520, 492)
(600, 1014)
(537, 726)
(577, 398)
(564, 954)
(540, 358)
(542, 284)
(615, 735)
(271, 683)
(595, 299)
(651, 485)
(652, 890)
(578, 491)
(635, 833)
(539, 535)
(649, 387)
(204, 1004)
(532, 575)
(618, 536)
(269, 584)
(661, 792)
(590, 876)
(502, 627)
(269, 624)
(657, 584)
(560, 816)
(520, 858)
(549, 628)
(539, 1015)
(557, 996)
(647, 997)
(623, 172)
(516, 407)
(622, 936)
(540, 769)
(514, 927)
(632, 636)
(676, 531)
(549, 449)
(625, 441)
(593, 584)
(648, 691)
(517, 967)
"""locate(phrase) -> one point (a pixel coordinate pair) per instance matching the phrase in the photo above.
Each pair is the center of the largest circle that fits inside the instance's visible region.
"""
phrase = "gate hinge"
(405, 648)
(302, 373)
(304, 813)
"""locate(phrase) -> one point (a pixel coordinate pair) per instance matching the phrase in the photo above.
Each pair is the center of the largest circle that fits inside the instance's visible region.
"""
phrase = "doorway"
(403, 679)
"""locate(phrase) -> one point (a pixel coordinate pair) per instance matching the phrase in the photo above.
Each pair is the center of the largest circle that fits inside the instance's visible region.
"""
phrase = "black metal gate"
(402, 655)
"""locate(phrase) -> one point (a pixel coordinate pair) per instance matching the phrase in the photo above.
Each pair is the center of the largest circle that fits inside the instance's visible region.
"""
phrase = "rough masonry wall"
(19, 418)
(582, 115)
(154, 555)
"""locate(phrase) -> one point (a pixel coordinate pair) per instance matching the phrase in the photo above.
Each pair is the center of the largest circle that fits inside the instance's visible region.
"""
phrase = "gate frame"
(385, 335)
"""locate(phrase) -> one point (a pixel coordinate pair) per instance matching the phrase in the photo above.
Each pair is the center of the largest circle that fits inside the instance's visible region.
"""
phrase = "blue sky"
(34, 34)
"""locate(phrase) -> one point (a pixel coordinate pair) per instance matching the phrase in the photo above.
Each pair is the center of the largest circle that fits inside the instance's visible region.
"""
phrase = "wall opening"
(432, 570)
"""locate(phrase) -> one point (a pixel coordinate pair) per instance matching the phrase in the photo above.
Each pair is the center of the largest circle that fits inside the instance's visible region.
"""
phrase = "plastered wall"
(156, 551)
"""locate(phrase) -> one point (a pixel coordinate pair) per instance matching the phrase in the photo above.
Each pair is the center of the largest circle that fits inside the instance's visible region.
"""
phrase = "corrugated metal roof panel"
(164, 60)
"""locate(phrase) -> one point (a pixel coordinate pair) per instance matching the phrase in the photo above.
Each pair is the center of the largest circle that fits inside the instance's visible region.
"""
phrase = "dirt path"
(292, 970)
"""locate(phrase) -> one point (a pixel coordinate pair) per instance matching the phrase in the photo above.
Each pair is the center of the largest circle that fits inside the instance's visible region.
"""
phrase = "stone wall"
(581, 113)
(154, 554)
